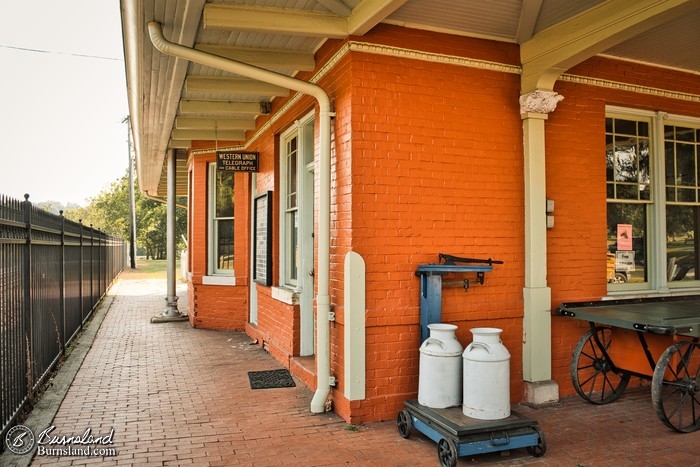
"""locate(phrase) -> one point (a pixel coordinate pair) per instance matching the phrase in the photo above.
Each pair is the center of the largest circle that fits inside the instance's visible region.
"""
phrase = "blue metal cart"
(457, 435)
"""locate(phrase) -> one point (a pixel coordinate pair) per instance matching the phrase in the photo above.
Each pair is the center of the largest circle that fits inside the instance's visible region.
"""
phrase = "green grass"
(149, 269)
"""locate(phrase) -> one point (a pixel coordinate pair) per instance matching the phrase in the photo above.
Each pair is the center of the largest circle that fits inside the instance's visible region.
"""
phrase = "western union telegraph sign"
(237, 161)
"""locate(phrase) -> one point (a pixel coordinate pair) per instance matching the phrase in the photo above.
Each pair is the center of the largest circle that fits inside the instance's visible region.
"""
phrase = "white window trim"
(296, 129)
(656, 254)
(212, 270)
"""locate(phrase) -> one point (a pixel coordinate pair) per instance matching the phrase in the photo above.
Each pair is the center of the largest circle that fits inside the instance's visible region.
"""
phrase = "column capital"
(539, 101)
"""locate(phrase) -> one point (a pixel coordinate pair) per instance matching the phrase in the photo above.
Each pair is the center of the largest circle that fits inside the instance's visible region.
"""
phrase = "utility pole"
(132, 198)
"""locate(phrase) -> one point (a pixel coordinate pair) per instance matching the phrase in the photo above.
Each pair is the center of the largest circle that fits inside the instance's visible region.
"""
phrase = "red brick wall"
(434, 165)
(217, 306)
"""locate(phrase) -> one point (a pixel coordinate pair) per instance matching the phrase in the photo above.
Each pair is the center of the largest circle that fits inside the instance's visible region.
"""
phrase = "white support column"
(171, 312)
(537, 331)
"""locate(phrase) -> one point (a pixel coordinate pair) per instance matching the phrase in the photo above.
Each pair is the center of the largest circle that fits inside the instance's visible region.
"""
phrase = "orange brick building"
(440, 141)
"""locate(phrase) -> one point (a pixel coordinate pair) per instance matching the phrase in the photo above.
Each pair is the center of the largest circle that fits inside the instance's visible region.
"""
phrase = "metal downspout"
(323, 361)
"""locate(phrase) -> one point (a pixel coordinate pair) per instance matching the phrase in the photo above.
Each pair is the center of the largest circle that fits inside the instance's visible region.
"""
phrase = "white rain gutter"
(323, 357)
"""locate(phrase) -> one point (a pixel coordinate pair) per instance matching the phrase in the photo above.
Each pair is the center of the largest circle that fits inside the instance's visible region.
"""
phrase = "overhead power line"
(25, 49)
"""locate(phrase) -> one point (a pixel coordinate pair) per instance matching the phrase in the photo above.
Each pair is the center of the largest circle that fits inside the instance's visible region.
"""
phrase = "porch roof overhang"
(173, 102)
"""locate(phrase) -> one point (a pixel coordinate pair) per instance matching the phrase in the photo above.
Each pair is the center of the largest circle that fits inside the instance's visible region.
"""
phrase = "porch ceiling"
(173, 102)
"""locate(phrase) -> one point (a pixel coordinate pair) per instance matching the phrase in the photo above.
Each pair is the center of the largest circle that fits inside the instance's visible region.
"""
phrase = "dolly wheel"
(447, 453)
(404, 423)
(592, 372)
(675, 387)
(541, 447)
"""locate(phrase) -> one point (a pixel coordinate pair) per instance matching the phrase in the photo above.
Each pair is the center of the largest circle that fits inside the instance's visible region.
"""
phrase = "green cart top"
(665, 316)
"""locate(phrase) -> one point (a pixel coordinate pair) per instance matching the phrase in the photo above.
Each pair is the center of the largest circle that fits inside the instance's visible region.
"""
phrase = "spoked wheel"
(404, 423)
(541, 447)
(675, 387)
(592, 372)
(447, 453)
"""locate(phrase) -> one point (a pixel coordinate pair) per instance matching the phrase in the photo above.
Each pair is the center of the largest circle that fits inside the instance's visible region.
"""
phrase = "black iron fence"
(53, 273)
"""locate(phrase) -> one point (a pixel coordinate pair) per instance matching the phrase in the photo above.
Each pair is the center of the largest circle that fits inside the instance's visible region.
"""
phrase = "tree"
(109, 211)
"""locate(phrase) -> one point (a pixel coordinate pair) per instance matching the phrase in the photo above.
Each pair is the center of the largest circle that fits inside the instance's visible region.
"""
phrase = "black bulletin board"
(262, 254)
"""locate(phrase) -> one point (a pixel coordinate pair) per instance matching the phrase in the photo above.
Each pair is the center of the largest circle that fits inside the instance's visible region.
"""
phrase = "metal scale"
(456, 434)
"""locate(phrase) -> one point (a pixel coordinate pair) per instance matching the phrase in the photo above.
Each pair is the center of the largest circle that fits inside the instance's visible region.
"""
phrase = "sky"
(62, 102)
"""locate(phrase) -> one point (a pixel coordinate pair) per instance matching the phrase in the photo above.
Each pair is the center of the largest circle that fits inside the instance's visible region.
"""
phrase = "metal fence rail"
(53, 273)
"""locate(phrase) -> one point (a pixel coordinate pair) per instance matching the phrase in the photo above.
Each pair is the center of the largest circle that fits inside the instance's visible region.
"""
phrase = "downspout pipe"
(323, 360)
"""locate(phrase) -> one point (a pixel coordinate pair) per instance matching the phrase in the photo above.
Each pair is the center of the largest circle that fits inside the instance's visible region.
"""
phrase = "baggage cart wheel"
(675, 387)
(541, 447)
(404, 423)
(447, 453)
(592, 372)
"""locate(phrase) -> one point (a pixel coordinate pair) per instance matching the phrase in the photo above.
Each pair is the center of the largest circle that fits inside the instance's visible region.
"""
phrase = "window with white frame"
(296, 153)
(653, 192)
(682, 153)
(629, 195)
(291, 210)
(221, 219)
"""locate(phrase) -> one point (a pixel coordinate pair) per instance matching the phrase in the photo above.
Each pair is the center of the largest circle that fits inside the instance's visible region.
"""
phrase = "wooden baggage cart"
(654, 339)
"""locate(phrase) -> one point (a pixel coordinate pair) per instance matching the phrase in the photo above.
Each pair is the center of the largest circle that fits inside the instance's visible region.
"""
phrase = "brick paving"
(180, 396)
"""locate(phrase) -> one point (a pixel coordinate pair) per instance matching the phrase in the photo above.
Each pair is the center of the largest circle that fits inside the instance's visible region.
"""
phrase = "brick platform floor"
(180, 396)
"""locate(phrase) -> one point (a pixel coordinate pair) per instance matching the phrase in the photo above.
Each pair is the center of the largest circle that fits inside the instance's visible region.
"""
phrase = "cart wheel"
(447, 453)
(591, 371)
(404, 423)
(675, 387)
(541, 447)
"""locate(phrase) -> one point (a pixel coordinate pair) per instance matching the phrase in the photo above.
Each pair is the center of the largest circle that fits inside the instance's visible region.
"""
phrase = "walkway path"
(180, 396)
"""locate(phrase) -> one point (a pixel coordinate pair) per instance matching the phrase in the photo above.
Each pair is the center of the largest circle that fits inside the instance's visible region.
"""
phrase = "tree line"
(110, 212)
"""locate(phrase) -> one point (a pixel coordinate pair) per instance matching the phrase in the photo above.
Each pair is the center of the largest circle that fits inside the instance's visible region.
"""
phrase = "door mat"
(270, 379)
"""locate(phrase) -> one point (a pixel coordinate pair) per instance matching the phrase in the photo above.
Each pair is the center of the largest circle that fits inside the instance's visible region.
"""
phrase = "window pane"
(685, 162)
(643, 128)
(627, 224)
(644, 192)
(670, 164)
(625, 127)
(224, 244)
(224, 194)
(627, 191)
(685, 134)
(685, 195)
(644, 175)
(626, 160)
(680, 244)
(291, 161)
(293, 244)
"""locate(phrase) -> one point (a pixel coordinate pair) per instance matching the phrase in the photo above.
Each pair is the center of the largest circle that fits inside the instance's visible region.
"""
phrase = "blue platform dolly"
(456, 434)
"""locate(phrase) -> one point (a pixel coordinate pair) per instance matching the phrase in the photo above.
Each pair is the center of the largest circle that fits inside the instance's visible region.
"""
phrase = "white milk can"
(440, 370)
(486, 376)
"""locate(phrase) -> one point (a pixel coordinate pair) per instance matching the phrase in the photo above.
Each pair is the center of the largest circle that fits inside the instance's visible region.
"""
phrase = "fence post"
(62, 292)
(99, 266)
(28, 312)
(92, 260)
(82, 278)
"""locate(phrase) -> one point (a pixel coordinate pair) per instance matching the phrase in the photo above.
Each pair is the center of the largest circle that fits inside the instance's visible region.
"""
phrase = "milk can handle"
(482, 344)
(432, 340)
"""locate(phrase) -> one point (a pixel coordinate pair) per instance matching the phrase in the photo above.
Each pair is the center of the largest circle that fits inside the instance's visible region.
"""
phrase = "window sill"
(218, 280)
(285, 295)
